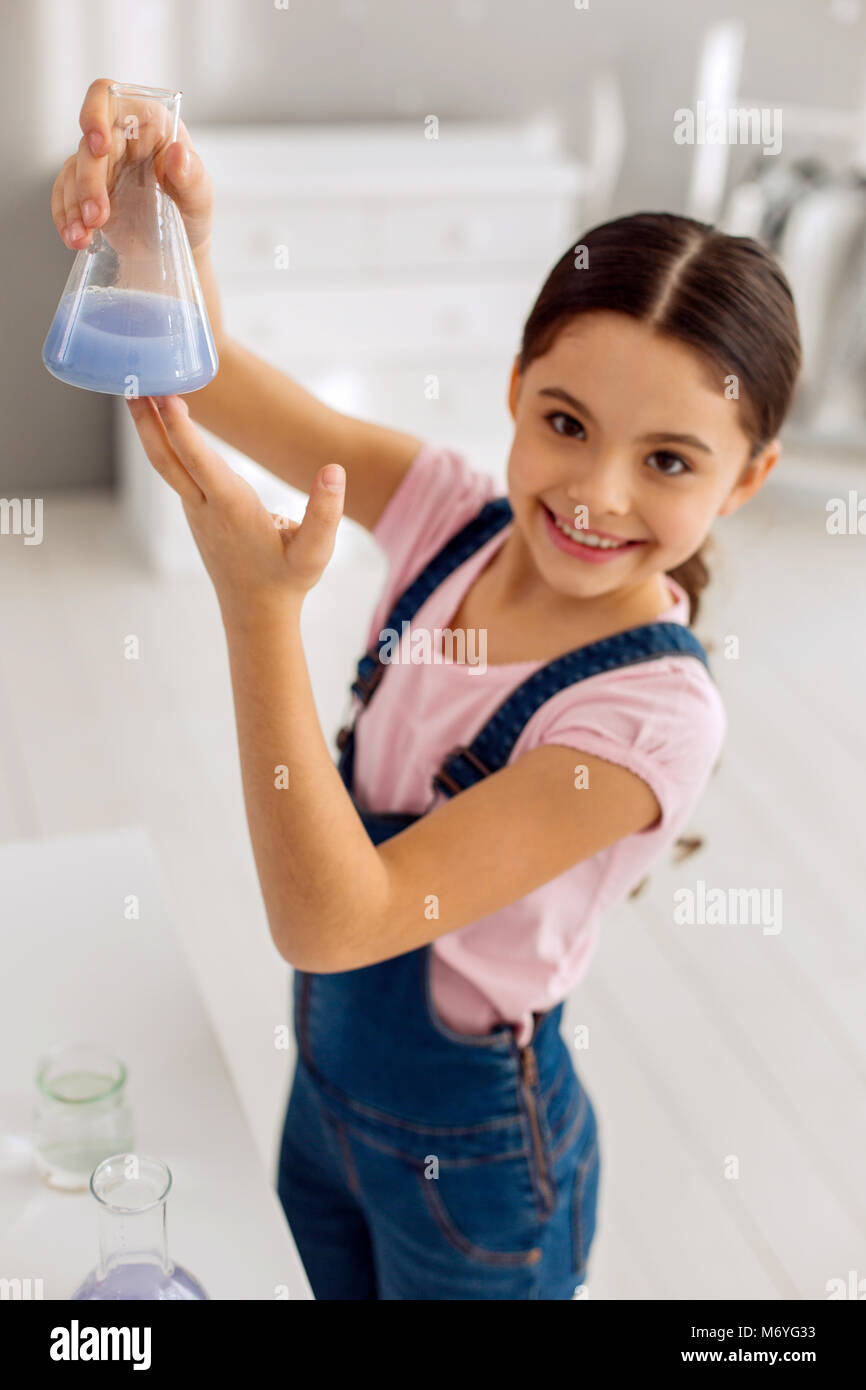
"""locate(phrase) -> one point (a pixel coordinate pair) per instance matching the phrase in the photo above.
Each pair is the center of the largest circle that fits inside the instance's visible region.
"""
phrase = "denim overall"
(417, 1162)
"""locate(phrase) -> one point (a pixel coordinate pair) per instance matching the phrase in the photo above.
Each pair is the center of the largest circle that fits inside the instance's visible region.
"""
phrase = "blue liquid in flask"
(127, 342)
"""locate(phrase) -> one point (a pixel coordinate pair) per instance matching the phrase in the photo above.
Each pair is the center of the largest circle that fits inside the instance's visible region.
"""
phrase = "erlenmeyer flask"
(132, 319)
(134, 1263)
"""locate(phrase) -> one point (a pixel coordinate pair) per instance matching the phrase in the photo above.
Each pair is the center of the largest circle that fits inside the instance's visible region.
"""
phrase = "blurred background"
(426, 166)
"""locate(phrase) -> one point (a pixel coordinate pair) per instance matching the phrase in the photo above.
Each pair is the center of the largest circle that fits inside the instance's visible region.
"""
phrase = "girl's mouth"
(595, 553)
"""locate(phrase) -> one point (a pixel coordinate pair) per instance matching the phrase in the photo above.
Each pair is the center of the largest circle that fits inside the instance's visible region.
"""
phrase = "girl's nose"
(604, 489)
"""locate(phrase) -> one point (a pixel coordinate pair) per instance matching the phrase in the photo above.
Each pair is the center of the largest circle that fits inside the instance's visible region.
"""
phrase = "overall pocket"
(445, 1193)
(485, 1210)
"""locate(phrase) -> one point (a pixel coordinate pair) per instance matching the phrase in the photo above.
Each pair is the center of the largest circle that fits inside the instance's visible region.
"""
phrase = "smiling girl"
(439, 891)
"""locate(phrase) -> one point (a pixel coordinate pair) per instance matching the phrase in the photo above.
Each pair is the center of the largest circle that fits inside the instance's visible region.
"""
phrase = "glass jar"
(81, 1113)
(134, 1263)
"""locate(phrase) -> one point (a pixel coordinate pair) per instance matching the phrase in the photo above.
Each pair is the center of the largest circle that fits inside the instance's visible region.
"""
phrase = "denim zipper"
(529, 1072)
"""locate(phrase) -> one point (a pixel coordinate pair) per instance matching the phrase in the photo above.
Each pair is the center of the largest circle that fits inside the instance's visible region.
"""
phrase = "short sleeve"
(437, 495)
(664, 720)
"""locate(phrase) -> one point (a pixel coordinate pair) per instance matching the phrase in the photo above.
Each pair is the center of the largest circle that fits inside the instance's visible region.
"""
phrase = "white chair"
(822, 235)
(717, 84)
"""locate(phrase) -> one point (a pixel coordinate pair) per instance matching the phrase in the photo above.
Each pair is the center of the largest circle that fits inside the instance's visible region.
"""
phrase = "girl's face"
(628, 424)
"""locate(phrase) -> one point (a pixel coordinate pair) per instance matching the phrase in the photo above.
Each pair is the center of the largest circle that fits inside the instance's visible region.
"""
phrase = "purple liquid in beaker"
(140, 1282)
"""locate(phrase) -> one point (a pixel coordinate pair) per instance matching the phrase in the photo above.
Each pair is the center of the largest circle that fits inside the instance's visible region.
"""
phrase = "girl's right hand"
(79, 198)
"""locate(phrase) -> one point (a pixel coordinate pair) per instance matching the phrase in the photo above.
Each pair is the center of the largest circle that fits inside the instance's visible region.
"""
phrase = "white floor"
(708, 1044)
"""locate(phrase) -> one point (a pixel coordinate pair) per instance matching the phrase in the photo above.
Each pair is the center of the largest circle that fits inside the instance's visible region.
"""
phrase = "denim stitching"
(410, 1125)
(577, 1228)
(550, 1130)
(573, 1130)
(443, 1220)
(346, 1152)
(548, 1095)
(373, 1142)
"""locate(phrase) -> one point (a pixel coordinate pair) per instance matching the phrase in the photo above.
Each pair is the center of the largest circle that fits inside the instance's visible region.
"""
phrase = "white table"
(74, 968)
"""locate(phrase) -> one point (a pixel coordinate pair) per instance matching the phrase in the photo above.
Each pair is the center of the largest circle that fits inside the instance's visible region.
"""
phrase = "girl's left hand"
(249, 552)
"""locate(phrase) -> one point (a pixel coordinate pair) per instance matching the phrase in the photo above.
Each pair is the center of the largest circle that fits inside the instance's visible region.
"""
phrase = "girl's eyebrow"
(559, 393)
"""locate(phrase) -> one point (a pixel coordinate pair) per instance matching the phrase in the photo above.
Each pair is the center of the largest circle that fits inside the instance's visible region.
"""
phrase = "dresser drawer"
(386, 322)
(347, 238)
(464, 400)
(471, 231)
(318, 237)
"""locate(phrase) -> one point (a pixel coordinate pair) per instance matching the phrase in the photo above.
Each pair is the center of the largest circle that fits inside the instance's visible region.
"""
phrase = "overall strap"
(492, 745)
(491, 518)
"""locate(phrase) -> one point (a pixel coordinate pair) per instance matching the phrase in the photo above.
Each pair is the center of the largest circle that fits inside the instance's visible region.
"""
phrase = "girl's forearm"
(321, 877)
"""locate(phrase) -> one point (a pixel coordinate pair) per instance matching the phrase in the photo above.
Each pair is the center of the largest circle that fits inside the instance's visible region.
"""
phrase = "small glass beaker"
(132, 320)
(81, 1113)
(134, 1263)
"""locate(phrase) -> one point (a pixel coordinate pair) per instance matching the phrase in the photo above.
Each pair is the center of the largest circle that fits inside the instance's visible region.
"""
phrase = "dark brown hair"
(725, 296)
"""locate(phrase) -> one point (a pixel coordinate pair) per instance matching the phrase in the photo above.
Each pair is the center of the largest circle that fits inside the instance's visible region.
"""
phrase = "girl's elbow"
(315, 958)
(343, 940)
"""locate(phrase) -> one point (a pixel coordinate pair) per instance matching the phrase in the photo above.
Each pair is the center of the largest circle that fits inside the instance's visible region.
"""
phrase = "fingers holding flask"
(113, 137)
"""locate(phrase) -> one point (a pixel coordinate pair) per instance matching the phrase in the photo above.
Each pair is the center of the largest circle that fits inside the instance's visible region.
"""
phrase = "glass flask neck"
(130, 105)
(132, 1192)
(135, 1240)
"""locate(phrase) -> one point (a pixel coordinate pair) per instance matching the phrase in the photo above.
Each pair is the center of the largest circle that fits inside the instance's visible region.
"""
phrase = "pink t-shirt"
(664, 719)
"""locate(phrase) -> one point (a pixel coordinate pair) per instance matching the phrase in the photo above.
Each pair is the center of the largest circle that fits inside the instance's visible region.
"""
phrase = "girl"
(438, 892)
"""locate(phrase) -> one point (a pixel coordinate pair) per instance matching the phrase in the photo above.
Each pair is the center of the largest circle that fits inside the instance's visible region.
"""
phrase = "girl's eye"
(571, 428)
(672, 458)
(563, 415)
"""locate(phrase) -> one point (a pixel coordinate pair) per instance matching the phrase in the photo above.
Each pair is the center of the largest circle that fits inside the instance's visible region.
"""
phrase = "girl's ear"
(513, 386)
(753, 477)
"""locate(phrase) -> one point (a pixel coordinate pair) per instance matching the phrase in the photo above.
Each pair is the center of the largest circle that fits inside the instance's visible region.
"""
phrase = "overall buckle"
(445, 779)
(365, 685)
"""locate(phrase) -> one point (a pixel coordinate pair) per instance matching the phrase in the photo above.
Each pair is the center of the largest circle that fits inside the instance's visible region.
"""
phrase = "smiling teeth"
(584, 539)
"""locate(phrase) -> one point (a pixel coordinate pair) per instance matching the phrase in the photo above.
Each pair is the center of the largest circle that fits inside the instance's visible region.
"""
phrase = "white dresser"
(388, 272)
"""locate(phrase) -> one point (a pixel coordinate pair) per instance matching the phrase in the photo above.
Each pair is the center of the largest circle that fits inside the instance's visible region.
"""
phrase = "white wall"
(335, 60)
